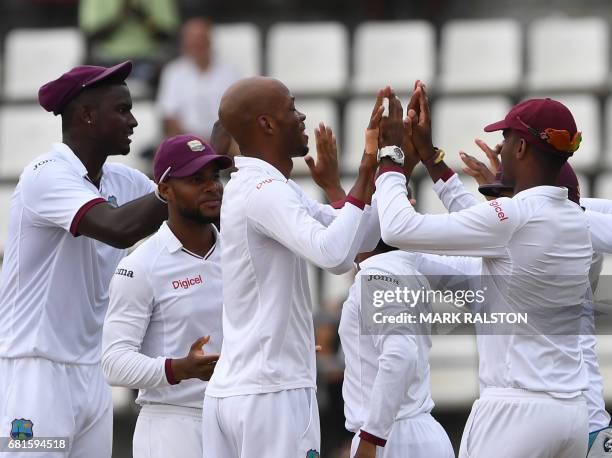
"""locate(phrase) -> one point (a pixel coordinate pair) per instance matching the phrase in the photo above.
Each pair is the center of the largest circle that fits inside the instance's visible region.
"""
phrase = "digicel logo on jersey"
(498, 209)
(176, 284)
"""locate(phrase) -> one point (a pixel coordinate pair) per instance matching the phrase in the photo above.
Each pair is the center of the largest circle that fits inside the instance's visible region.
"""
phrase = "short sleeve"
(57, 196)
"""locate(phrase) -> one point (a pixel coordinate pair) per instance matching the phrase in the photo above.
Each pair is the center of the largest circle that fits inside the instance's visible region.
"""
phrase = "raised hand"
(324, 171)
(476, 169)
(197, 364)
(418, 114)
(492, 154)
(411, 156)
(373, 130)
(391, 127)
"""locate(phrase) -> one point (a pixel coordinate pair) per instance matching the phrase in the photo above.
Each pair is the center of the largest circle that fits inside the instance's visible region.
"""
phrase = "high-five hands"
(324, 171)
(197, 364)
(420, 119)
(477, 169)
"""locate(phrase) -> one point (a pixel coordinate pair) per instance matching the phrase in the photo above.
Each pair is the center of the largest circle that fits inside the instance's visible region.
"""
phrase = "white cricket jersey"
(270, 229)
(54, 288)
(386, 376)
(455, 197)
(524, 241)
(162, 299)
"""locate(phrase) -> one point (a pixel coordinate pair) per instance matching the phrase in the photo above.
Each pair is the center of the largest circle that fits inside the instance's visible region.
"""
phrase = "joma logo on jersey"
(125, 273)
(46, 161)
(498, 209)
(383, 278)
(176, 284)
(261, 183)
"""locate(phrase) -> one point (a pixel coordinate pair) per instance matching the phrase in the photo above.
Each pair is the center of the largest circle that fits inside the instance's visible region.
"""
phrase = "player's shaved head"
(260, 114)
(244, 101)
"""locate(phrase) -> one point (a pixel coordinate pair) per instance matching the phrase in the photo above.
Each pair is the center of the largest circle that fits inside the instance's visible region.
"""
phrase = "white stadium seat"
(428, 201)
(567, 54)
(457, 121)
(316, 111)
(146, 135)
(309, 57)
(585, 109)
(239, 45)
(608, 132)
(36, 56)
(26, 131)
(6, 192)
(393, 53)
(480, 56)
(603, 186)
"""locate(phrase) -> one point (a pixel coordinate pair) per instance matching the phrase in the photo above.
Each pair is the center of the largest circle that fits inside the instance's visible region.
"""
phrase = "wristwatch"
(394, 153)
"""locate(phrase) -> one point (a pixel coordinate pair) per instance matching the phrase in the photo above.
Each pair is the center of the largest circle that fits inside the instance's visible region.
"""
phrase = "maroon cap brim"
(120, 71)
(192, 167)
(499, 125)
(494, 189)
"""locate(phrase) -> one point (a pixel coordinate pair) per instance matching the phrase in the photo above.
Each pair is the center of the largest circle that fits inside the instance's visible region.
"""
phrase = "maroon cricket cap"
(538, 114)
(55, 95)
(183, 155)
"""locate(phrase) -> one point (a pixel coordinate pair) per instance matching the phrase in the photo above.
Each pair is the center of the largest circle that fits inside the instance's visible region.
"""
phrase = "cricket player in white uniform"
(386, 389)
(598, 212)
(71, 218)
(261, 399)
(528, 406)
(166, 297)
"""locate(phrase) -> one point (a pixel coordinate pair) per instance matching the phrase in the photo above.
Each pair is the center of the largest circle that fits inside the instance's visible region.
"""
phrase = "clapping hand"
(477, 169)
(420, 119)
(324, 171)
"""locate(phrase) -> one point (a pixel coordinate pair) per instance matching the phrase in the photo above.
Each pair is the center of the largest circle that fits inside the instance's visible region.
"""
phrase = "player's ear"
(522, 148)
(266, 124)
(165, 191)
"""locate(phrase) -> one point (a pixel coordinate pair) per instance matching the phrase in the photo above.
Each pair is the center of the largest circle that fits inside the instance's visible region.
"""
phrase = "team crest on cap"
(196, 145)
(21, 429)
(312, 454)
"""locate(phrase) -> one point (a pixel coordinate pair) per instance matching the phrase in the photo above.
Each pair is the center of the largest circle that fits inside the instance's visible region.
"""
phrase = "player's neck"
(91, 157)
(195, 237)
(533, 179)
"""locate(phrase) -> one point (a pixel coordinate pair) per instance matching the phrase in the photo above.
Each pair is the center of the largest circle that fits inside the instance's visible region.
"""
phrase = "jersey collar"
(72, 159)
(252, 162)
(554, 192)
(173, 244)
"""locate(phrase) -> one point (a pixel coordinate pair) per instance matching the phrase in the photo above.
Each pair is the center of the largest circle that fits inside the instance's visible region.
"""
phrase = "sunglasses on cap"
(561, 140)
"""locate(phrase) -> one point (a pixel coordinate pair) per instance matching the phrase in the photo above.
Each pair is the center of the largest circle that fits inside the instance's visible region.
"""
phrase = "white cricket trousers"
(284, 424)
(515, 423)
(416, 437)
(165, 431)
(60, 400)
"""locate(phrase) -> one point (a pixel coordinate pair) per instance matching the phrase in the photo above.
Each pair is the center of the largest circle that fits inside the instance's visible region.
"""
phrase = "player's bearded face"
(198, 197)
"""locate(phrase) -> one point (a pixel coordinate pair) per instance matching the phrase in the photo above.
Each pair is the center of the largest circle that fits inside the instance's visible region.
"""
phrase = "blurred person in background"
(191, 86)
(139, 30)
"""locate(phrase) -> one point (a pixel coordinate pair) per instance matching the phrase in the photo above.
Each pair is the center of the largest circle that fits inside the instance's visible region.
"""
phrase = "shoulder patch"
(125, 272)
(41, 163)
